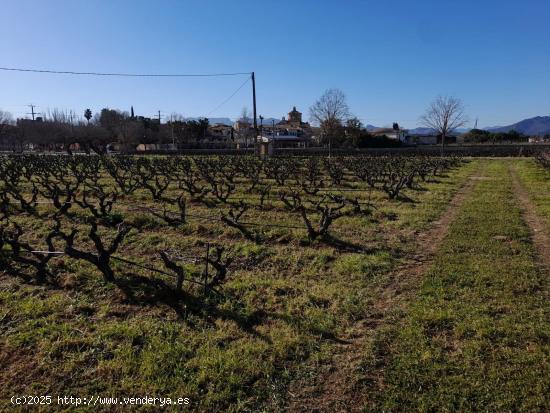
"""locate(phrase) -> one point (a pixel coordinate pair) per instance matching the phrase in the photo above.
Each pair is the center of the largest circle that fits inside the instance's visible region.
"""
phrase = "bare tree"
(245, 114)
(329, 112)
(5, 120)
(58, 127)
(332, 106)
(246, 132)
(444, 115)
(177, 117)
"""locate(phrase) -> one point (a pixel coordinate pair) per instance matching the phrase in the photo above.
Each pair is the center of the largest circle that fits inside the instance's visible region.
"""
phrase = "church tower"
(294, 116)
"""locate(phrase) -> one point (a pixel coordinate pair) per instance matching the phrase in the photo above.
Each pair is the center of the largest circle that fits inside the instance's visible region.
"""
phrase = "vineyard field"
(270, 285)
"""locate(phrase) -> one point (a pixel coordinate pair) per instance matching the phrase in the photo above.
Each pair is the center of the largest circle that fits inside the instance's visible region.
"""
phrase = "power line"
(229, 98)
(69, 72)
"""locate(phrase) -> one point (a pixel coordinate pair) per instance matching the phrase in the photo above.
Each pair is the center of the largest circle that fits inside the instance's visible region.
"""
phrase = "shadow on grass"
(142, 291)
(50, 281)
(344, 246)
(154, 292)
(437, 179)
(418, 188)
(406, 199)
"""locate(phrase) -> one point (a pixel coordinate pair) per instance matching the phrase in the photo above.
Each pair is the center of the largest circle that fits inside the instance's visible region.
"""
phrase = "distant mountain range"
(539, 125)
(229, 122)
(213, 121)
(415, 131)
(269, 121)
(421, 131)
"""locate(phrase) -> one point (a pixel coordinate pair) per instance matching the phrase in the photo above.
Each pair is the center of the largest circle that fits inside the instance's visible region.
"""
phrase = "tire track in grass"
(342, 390)
(539, 236)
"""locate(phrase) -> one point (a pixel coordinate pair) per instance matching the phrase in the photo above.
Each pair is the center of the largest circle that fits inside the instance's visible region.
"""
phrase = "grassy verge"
(282, 305)
(477, 338)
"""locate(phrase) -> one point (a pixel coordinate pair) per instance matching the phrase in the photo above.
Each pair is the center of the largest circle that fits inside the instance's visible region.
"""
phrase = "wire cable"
(229, 98)
(69, 72)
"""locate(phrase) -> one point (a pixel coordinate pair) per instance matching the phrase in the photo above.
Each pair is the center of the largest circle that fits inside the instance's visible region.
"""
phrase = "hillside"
(539, 125)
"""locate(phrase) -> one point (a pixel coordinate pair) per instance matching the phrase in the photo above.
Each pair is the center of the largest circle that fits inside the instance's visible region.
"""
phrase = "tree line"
(484, 136)
(64, 130)
(330, 114)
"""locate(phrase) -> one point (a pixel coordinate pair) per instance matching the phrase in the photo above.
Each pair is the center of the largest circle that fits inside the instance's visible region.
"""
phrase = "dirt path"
(339, 390)
(539, 237)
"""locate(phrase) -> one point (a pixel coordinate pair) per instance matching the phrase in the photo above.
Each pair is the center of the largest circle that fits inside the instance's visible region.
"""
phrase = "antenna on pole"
(158, 116)
(32, 112)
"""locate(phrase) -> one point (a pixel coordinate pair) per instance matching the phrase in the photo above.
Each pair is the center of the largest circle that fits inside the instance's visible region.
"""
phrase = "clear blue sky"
(391, 58)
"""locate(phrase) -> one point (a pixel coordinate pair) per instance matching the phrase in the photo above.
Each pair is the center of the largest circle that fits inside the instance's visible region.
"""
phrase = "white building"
(391, 133)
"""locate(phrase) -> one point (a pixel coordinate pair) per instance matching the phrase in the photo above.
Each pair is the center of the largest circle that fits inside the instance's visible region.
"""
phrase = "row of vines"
(77, 206)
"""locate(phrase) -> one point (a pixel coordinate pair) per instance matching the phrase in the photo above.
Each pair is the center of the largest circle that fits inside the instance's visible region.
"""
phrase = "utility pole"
(172, 129)
(32, 112)
(254, 110)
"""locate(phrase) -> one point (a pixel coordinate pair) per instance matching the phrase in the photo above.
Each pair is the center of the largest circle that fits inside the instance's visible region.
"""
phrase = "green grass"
(477, 338)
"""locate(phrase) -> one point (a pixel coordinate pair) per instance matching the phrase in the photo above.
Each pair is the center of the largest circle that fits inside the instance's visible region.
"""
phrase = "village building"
(539, 139)
(289, 132)
(221, 132)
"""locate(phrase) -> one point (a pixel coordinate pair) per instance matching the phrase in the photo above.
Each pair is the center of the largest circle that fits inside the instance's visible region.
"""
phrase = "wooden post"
(206, 267)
